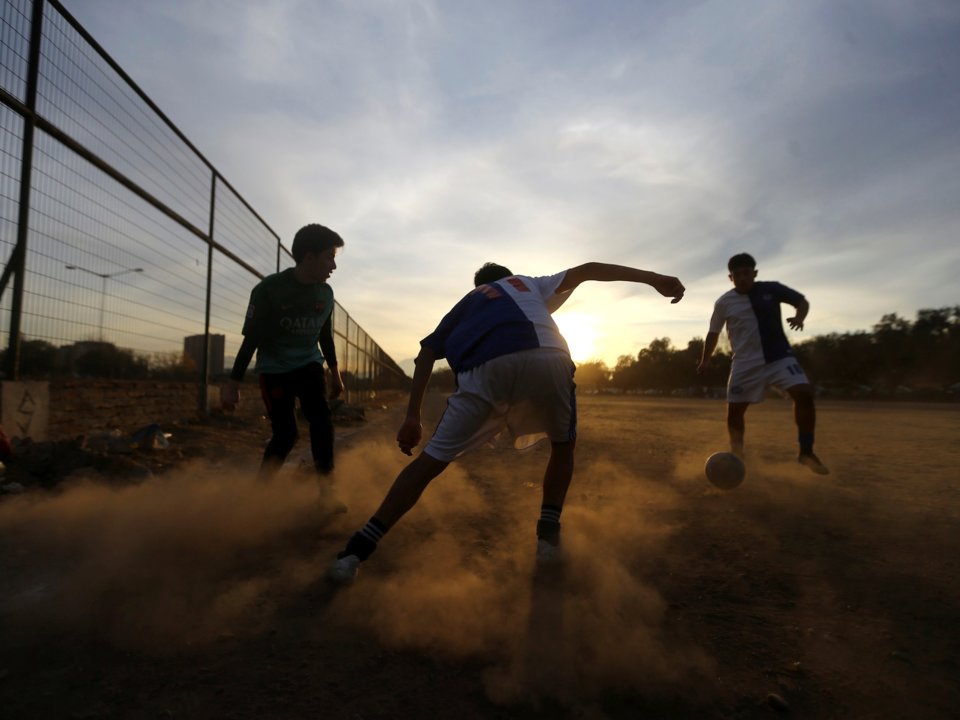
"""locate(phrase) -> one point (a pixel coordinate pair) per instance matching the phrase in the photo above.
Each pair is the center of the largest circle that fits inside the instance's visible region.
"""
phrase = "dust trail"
(180, 559)
(464, 593)
(184, 558)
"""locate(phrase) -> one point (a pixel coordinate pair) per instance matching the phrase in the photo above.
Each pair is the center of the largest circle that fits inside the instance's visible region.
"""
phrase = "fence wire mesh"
(126, 221)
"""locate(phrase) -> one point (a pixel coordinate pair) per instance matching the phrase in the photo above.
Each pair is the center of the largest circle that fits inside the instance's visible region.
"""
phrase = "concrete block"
(25, 407)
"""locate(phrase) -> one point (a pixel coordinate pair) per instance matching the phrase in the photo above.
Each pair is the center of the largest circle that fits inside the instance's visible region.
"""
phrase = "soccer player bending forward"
(762, 356)
(514, 372)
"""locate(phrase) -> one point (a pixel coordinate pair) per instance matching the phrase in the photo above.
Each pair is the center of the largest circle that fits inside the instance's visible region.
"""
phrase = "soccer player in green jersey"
(289, 325)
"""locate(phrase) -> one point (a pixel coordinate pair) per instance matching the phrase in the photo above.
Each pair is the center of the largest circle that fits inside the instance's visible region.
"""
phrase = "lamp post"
(103, 288)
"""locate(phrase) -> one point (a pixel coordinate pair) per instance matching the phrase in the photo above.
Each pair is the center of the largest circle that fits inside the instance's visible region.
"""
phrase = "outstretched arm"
(666, 285)
(411, 432)
(796, 322)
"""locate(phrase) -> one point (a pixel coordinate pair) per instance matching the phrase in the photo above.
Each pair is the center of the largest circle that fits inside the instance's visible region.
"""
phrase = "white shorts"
(531, 394)
(750, 384)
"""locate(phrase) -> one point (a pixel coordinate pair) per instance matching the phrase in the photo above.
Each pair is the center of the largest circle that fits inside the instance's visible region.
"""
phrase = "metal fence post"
(18, 258)
(205, 360)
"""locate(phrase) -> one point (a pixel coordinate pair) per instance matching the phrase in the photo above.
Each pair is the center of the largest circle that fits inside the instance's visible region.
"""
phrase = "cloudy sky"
(822, 136)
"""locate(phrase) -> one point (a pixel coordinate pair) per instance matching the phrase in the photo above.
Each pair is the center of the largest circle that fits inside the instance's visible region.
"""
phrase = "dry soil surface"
(199, 593)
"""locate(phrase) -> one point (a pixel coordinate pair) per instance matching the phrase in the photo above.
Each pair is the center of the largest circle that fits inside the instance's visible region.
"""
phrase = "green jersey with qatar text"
(286, 317)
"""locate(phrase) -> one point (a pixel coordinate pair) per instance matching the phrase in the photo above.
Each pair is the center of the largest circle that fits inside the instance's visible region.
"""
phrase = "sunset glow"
(580, 332)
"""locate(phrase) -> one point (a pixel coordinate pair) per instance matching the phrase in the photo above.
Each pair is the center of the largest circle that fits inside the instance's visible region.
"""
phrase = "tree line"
(896, 358)
(40, 359)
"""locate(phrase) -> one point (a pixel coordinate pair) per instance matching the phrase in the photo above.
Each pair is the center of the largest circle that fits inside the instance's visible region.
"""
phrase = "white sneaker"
(344, 570)
(547, 553)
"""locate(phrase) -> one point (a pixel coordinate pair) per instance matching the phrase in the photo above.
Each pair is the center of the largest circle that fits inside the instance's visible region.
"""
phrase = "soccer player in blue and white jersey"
(513, 372)
(762, 356)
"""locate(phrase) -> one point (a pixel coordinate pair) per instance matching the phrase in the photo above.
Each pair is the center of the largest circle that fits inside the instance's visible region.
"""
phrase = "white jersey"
(499, 318)
(754, 324)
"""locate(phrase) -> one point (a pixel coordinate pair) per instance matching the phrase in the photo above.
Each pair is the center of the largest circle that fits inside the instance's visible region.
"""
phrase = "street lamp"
(103, 289)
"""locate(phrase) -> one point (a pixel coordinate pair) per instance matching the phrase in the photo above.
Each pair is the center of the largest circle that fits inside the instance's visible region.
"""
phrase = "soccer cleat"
(344, 570)
(548, 553)
(813, 462)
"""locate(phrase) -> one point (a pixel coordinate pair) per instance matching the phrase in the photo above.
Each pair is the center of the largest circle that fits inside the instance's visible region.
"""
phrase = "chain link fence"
(126, 254)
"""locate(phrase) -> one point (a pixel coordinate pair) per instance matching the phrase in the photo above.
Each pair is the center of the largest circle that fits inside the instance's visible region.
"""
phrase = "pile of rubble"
(121, 458)
(112, 456)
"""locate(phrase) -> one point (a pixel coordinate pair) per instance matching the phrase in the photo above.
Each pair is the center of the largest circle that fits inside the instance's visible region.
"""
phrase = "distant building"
(193, 349)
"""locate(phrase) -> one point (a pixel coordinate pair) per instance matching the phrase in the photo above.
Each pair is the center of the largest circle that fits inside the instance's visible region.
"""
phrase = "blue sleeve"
(788, 295)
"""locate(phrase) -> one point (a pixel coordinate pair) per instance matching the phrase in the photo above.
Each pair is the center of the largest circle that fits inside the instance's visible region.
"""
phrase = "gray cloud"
(820, 136)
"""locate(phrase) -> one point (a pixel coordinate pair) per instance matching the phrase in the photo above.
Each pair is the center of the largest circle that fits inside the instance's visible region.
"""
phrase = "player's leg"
(544, 398)
(311, 385)
(465, 422)
(787, 375)
(805, 414)
(736, 426)
(556, 481)
(407, 488)
(312, 392)
(278, 395)
(559, 473)
(744, 387)
(401, 497)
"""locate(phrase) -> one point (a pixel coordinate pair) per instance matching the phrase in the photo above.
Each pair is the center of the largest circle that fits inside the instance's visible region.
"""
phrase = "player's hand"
(409, 435)
(336, 384)
(703, 366)
(670, 287)
(795, 323)
(229, 397)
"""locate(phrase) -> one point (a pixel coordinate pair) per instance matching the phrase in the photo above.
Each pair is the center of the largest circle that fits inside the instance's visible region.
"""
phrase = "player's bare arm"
(411, 431)
(230, 393)
(336, 382)
(796, 322)
(329, 351)
(666, 285)
(709, 345)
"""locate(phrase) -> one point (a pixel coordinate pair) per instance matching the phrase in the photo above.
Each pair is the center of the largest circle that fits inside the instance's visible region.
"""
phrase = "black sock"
(365, 540)
(548, 526)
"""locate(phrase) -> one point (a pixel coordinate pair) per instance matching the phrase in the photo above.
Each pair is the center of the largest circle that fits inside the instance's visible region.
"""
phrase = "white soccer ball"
(725, 470)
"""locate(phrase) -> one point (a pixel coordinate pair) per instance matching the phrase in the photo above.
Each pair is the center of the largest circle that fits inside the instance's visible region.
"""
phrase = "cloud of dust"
(180, 559)
(459, 580)
(202, 552)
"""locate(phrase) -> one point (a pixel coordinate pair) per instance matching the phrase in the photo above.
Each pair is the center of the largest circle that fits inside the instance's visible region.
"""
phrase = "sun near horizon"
(581, 333)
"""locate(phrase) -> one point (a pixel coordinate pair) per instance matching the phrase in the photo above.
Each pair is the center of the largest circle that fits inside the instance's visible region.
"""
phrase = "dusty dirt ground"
(199, 593)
